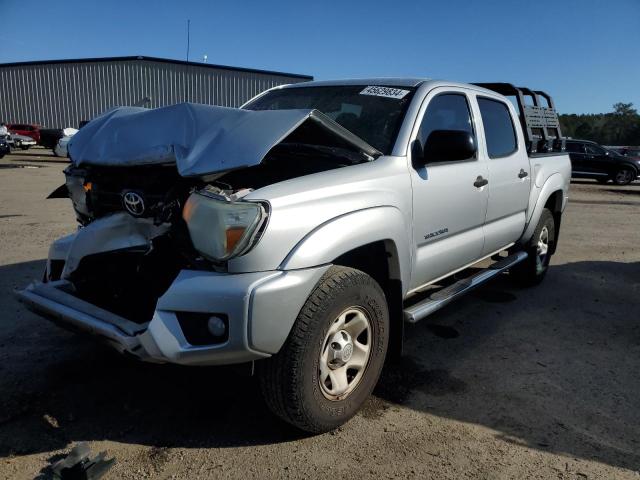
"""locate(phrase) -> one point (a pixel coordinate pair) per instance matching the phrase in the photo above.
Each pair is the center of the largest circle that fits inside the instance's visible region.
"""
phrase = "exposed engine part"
(129, 282)
(115, 232)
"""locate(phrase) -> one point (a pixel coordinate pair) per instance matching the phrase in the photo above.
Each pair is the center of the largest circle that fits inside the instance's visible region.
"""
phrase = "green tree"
(619, 127)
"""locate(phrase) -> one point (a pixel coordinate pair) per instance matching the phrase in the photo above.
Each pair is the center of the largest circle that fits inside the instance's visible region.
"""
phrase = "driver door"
(449, 205)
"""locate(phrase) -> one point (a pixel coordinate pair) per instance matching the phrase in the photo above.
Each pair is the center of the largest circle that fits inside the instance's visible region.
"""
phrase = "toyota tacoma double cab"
(299, 232)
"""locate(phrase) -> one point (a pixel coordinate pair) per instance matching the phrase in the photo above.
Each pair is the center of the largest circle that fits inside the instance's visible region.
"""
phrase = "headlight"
(219, 228)
(78, 190)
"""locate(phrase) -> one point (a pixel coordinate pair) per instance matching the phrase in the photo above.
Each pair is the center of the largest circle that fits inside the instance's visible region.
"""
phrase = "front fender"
(352, 230)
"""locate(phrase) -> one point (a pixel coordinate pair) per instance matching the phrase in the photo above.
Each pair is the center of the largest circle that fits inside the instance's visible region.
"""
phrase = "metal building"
(62, 93)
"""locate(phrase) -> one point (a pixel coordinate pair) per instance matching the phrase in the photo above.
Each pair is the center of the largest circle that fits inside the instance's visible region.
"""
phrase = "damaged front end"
(158, 221)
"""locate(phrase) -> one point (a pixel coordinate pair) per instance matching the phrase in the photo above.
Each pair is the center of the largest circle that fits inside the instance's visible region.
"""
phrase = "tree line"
(620, 127)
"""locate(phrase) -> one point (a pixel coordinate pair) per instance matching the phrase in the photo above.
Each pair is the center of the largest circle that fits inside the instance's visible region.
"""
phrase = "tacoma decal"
(436, 233)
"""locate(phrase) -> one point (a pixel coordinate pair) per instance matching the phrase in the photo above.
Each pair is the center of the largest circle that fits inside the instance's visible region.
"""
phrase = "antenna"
(188, 37)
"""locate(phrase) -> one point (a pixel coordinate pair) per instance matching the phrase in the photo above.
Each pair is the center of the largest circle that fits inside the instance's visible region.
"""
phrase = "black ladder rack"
(540, 123)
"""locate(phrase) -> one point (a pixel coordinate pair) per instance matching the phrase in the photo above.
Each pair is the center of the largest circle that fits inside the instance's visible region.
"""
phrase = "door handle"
(480, 182)
(522, 173)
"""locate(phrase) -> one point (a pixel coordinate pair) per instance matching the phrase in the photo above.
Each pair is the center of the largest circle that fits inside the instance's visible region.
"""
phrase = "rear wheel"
(624, 176)
(334, 354)
(533, 270)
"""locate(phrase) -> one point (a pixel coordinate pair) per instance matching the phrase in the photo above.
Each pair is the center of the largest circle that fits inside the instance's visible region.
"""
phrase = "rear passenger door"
(597, 160)
(509, 174)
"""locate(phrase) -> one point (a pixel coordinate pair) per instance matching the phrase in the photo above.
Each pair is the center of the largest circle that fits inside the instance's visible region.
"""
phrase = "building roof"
(156, 59)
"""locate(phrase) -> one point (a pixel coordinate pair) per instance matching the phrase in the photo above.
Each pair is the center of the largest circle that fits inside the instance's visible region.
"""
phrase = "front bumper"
(261, 308)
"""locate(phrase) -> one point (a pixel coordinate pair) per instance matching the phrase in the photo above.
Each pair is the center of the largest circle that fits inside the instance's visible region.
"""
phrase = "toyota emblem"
(133, 203)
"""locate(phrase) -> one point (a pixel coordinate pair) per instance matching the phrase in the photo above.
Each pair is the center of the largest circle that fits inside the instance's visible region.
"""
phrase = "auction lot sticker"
(384, 92)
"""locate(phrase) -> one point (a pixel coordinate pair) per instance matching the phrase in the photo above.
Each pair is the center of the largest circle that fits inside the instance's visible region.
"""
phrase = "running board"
(448, 294)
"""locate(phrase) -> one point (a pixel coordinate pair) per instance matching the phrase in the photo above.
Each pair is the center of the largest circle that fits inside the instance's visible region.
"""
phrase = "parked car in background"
(22, 142)
(27, 129)
(60, 150)
(49, 137)
(590, 160)
(4, 147)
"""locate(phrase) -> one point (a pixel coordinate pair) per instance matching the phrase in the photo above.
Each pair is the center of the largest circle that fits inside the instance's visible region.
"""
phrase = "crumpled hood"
(200, 139)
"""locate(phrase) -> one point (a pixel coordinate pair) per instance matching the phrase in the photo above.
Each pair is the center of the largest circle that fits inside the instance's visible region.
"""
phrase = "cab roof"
(382, 81)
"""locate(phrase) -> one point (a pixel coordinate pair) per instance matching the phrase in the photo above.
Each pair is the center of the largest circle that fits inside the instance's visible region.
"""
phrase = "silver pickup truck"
(302, 230)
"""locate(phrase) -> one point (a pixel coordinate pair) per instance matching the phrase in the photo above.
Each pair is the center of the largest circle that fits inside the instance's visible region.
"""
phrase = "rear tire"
(533, 270)
(333, 356)
(624, 176)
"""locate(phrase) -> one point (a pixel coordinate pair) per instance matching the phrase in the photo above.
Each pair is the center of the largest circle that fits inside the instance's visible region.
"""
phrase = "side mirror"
(449, 146)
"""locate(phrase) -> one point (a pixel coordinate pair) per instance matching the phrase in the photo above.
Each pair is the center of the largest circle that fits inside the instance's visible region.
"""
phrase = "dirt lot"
(508, 383)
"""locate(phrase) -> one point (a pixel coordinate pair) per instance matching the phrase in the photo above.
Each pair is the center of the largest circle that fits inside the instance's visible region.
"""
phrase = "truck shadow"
(551, 368)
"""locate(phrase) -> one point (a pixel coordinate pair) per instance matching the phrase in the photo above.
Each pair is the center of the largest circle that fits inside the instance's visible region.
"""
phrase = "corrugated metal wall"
(63, 94)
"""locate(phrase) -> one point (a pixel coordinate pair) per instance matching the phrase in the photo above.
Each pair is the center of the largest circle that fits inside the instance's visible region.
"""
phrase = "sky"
(585, 53)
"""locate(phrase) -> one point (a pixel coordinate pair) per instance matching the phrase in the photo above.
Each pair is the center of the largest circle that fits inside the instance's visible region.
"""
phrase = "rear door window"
(575, 147)
(499, 131)
(595, 150)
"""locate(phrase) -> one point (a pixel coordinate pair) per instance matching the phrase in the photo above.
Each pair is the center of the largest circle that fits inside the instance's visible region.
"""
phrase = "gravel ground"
(507, 383)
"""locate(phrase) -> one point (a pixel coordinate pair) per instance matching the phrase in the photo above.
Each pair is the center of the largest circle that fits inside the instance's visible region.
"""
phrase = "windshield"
(372, 113)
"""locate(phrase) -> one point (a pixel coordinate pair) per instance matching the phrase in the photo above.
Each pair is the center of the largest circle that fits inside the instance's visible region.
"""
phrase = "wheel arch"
(375, 241)
(551, 196)
(554, 205)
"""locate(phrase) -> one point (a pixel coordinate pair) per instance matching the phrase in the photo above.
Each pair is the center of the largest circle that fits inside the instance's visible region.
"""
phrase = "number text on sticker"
(388, 92)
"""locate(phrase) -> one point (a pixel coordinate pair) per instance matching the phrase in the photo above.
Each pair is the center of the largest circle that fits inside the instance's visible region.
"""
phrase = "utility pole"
(188, 37)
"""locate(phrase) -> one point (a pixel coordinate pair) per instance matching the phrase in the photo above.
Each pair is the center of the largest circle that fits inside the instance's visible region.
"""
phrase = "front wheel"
(533, 269)
(624, 176)
(333, 356)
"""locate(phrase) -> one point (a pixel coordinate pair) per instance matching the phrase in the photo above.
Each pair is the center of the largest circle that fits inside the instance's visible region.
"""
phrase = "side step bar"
(448, 294)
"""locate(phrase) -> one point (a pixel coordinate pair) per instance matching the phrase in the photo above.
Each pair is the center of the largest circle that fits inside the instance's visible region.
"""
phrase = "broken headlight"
(78, 189)
(219, 228)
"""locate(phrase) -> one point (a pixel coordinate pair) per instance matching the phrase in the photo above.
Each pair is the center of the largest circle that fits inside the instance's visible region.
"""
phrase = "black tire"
(533, 270)
(602, 180)
(624, 176)
(290, 380)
